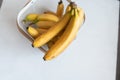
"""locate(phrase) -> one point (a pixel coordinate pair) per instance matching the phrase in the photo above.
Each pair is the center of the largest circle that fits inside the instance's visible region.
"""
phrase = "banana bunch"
(55, 29)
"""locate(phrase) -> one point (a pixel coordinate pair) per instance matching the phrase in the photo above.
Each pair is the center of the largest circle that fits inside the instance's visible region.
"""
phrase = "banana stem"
(69, 1)
(73, 5)
(60, 2)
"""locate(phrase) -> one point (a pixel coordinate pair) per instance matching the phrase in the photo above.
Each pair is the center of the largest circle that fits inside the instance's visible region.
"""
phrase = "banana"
(48, 17)
(45, 24)
(68, 8)
(41, 17)
(31, 17)
(41, 30)
(35, 32)
(67, 37)
(50, 12)
(52, 32)
(32, 31)
(60, 9)
(52, 41)
(49, 44)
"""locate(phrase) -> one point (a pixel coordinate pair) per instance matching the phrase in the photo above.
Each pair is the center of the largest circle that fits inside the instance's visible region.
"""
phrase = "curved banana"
(52, 32)
(68, 8)
(60, 9)
(50, 12)
(45, 24)
(48, 17)
(41, 30)
(35, 32)
(67, 37)
(31, 17)
(32, 31)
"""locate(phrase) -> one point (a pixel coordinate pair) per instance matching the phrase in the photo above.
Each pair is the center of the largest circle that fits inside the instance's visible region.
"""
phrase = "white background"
(92, 56)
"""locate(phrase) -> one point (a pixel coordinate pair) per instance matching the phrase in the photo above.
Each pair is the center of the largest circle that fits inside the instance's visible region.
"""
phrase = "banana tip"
(44, 59)
(32, 45)
(27, 27)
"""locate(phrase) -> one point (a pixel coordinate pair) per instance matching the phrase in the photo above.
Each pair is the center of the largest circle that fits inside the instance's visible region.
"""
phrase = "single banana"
(60, 9)
(68, 8)
(35, 32)
(31, 17)
(48, 17)
(67, 37)
(50, 12)
(45, 24)
(41, 30)
(52, 32)
(32, 31)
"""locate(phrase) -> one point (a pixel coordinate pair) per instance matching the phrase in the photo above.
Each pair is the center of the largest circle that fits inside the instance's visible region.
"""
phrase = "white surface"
(92, 56)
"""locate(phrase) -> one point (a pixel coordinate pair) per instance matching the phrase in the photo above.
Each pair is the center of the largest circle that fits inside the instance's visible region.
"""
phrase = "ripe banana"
(50, 12)
(32, 31)
(31, 17)
(45, 24)
(60, 9)
(67, 37)
(35, 32)
(41, 30)
(68, 8)
(48, 17)
(52, 32)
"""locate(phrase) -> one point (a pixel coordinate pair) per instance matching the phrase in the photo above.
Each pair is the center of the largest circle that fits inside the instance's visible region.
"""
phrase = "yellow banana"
(60, 9)
(79, 9)
(52, 32)
(41, 30)
(45, 24)
(31, 17)
(52, 41)
(48, 17)
(67, 37)
(68, 8)
(32, 31)
(35, 32)
(50, 12)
